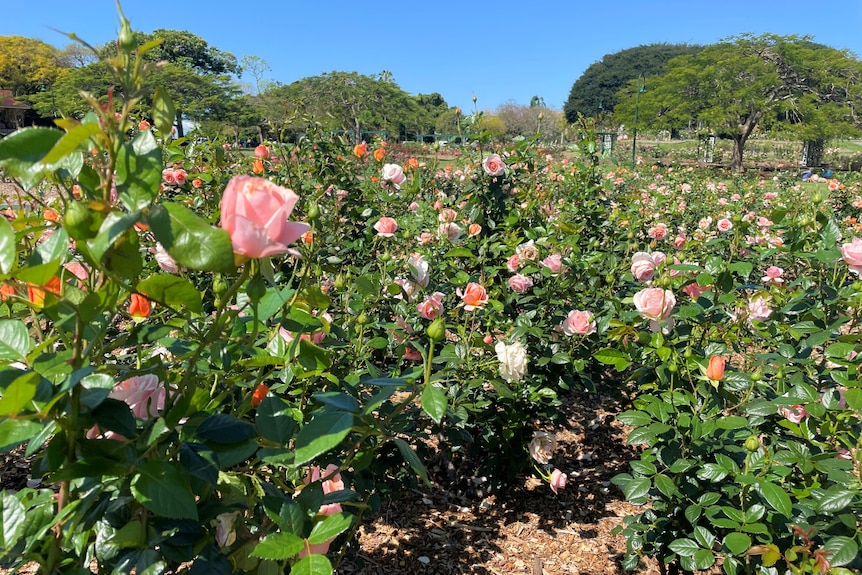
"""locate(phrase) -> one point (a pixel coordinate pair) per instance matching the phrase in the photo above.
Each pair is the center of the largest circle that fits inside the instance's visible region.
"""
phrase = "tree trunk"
(738, 148)
(179, 124)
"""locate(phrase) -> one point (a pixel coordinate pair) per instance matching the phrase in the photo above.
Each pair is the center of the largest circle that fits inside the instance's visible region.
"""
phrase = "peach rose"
(655, 304)
(474, 296)
(643, 266)
(558, 480)
(145, 394)
(432, 307)
(520, 283)
(493, 165)
(255, 213)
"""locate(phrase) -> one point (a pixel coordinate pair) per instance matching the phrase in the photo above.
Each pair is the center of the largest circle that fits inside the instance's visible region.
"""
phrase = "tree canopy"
(736, 85)
(600, 83)
(27, 66)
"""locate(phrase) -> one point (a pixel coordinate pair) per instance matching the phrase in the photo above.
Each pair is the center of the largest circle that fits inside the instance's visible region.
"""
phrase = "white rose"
(513, 360)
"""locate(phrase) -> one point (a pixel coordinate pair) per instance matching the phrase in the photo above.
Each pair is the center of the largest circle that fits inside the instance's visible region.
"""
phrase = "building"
(11, 113)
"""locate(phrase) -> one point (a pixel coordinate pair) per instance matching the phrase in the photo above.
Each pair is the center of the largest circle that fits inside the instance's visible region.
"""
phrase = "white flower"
(513, 360)
(542, 447)
(419, 269)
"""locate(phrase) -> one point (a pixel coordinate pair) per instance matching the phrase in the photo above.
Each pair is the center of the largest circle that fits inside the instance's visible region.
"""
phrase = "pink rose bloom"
(331, 485)
(493, 165)
(658, 232)
(679, 241)
(164, 259)
(426, 238)
(169, 176)
(764, 222)
(655, 304)
(450, 230)
(695, 290)
(724, 225)
(145, 394)
(773, 275)
(553, 262)
(579, 322)
(643, 266)
(432, 307)
(447, 215)
(513, 263)
(394, 174)
(255, 212)
(758, 308)
(852, 254)
(474, 296)
(520, 283)
(558, 480)
(795, 413)
(386, 227)
(180, 177)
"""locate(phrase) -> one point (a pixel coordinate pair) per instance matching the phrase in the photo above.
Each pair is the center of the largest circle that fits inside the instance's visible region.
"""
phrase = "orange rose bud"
(51, 215)
(258, 167)
(261, 151)
(359, 150)
(259, 394)
(412, 163)
(379, 154)
(715, 369)
(144, 126)
(139, 306)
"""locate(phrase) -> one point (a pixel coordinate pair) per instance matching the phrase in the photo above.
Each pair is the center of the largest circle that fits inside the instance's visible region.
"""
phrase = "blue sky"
(499, 51)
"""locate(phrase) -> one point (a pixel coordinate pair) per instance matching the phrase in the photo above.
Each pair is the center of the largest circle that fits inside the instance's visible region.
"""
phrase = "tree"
(736, 84)
(524, 120)
(76, 56)
(256, 67)
(27, 66)
(599, 84)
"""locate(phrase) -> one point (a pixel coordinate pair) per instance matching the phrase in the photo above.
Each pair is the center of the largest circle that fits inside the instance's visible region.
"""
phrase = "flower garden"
(222, 362)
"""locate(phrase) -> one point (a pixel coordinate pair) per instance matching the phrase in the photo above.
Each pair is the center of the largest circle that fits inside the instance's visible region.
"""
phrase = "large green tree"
(599, 84)
(736, 85)
(27, 66)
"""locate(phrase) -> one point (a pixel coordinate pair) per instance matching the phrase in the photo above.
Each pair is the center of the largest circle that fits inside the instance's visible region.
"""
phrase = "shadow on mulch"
(433, 531)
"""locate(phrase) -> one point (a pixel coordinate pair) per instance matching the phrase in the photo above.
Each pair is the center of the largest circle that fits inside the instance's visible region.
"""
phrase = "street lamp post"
(641, 89)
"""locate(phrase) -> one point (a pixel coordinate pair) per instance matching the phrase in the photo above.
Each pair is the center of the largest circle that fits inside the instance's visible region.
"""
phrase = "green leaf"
(853, 397)
(190, 240)
(330, 528)
(637, 489)
(14, 517)
(14, 432)
(704, 559)
(278, 546)
(114, 227)
(274, 421)
(737, 543)
(684, 547)
(665, 485)
(634, 418)
(312, 565)
(843, 550)
(775, 496)
(837, 498)
(224, 428)
(8, 254)
(172, 290)
(641, 435)
(434, 402)
(324, 432)
(613, 357)
(412, 459)
(160, 487)
(139, 171)
(19, 393)
(164, 112)
(115, 415)
(22, 151)
(71, 142)
(15, 340)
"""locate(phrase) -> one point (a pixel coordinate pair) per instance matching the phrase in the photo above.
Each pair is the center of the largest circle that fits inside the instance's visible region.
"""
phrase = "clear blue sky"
(499, 51)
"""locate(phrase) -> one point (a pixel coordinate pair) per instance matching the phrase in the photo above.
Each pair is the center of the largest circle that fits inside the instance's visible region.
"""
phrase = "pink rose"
(758, 308)
(558, 480)
(520, 283)
(394, 174)
(579, 322)
(419, 270)
(386, 227)
(553, 262)
(695, 290)
(255, 213)
(679, 241)
(180, 176)
(447, 215)
(773, 275)
(169, 176)
(655, 304)
(658, 232)
(145, 394)
(493, 165)
(432, 307)
(724, 225)
(451, 231)
(165, 261)
(643, 266)
(513, 263)
(852, 254)
(795, 413)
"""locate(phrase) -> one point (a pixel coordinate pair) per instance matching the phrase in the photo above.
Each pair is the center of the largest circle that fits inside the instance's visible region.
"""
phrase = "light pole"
(641, 89)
